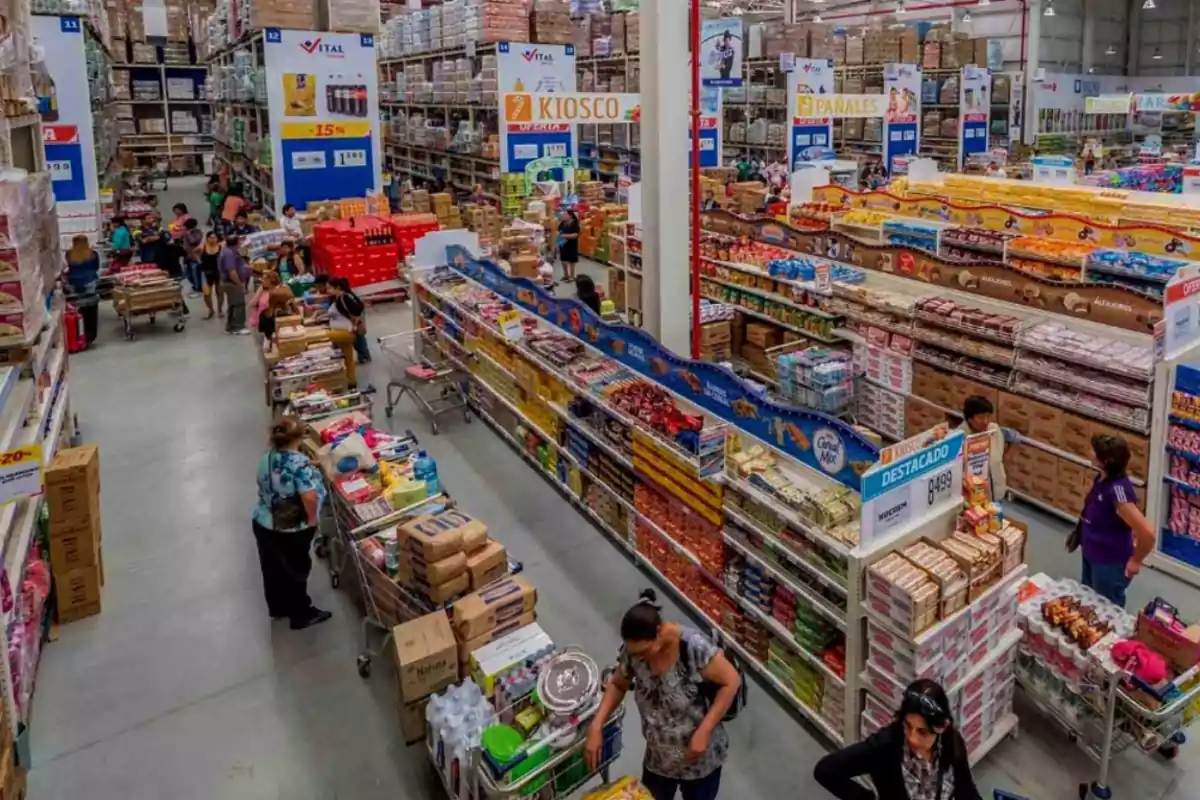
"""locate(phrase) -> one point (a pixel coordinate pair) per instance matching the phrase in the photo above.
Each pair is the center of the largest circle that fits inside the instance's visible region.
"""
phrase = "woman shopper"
(920, 756)
(120, 242)
(568, 243)
(290, 495)
(235, 278)
(83, 265)
(1114, 533)
(347, 328)
(585, 291)
(211, 275)
(259, 301)
(666, 665)
(233, 203)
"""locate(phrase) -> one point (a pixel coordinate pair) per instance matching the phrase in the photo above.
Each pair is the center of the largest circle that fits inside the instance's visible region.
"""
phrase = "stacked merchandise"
(817, 378)
(350, 16)
(73, 499)
(426, 663)
(716, 341)
(24, 262)
(320, 367)
(362, 249)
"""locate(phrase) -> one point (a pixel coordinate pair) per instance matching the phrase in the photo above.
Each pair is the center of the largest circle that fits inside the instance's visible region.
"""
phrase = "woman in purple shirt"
(1114, 533)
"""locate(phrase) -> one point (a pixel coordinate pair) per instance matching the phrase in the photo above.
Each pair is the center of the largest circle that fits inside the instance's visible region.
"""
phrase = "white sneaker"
(244, 332)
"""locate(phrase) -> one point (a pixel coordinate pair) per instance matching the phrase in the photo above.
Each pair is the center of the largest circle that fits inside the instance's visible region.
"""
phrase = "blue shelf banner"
(819, 441)
(901, 123)
(975, 104)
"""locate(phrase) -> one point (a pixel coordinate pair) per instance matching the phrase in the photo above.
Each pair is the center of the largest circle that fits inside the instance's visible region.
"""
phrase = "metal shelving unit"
(241, 125)
(154, 147)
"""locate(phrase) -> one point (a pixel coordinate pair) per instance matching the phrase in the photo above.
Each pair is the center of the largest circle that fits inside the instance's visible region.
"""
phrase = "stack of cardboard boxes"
(716, 341)
(550, 22)
(491, 613)
(446, 555)
(759, 337)
(485, 221)
(444, 209)
(73, 497)
(350, 16)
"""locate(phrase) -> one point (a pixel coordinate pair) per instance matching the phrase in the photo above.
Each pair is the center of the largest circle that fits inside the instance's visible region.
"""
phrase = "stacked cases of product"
(604, 436)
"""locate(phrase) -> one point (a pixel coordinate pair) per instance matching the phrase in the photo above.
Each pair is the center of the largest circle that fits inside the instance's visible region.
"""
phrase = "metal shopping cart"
(561, 770)
(132, 301)
(424, 373)
(1105, 715)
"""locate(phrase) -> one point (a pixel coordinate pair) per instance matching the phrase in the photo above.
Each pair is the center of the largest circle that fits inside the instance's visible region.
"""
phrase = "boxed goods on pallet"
(549, 23)
(295, 14)
(72, 493)
(350, 16)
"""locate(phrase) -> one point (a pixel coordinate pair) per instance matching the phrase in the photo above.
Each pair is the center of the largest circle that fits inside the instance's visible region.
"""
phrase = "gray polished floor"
(183, 688)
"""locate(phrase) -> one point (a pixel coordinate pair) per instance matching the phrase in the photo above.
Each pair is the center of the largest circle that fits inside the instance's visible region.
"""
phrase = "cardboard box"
(426, 656)
(412, 720)
(1139, 455)
(1076, 436)
(76, 465)
(72, 505)
(1045, 466)
(447, 533)
(75, 547)
(78, 592)
(1073, 475)
(466, 648)
(492, 606)
(437, 593)
(488, 563)
(1045, 423)
(1013, 412)
(1180, 649)
(412, 564)
(762, 335)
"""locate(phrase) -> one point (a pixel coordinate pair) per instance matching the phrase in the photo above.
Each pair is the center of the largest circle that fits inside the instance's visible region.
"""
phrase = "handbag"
(1075, 538)
(708, 689)
(287, 513)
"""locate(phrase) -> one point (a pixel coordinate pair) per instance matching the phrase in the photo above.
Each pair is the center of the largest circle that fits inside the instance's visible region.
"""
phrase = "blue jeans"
(192, 270)
(1108, 580)
(700, 789)
(361, 347)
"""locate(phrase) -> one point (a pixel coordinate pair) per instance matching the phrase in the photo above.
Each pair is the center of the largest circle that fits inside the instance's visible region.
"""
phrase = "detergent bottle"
(425, 469)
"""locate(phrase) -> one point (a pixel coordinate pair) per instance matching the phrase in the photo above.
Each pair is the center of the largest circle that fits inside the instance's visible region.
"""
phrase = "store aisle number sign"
(900, 492)
(20, 473)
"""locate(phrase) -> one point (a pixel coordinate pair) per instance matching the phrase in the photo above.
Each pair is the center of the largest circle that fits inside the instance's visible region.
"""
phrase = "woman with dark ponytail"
(668, 667)
(920, 756)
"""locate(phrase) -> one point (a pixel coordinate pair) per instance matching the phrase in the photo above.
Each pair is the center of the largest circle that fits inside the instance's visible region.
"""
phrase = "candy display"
(949, 314)
(1075, 346)
(1093, 381)
(1134, 265)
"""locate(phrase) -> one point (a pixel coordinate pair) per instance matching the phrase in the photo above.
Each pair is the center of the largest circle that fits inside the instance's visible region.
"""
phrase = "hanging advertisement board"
(534, 69)
(901, 122)
(710, 128)
(323, 101)
(809, 138)
(903, 490)
(721, 52)
(974, 103)
(66, 109)
(1180, 326)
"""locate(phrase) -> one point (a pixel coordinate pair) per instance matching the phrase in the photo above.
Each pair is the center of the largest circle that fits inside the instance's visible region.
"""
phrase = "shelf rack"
(142, 147)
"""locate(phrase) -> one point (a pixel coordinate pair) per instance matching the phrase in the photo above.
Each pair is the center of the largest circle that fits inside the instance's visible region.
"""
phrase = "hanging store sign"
(901, 121)
(710, 128)
(323, 99)
(841, 106)
(573, 107)
(1109, 104)
(1180, 326)
(822, 442)
(975, 104)
(534, 70)
(65, 107)
(810, 138)
(721, 48)
(899, 493)
(1158, 101)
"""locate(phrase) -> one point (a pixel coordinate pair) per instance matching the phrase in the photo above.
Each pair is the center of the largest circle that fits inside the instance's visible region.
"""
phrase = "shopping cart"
(562, 773)
(432, 380)
(1106, 714)
(149, 301)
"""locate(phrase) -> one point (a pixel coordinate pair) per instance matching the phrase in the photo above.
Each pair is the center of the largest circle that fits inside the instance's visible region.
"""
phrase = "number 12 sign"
(897, 494)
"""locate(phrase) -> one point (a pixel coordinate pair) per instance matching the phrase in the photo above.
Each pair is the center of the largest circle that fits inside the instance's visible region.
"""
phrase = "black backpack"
(708, 689)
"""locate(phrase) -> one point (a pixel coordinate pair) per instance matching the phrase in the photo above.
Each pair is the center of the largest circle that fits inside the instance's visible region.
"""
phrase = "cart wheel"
(1072, 737)
(322, 550)
(1101, 792)
(1179, 738)
(151, 319)
(179, 326)
(364, 666)
(387, 411)
(335, 579)
(1083, 791)
(467, 417)
(1168, 750)
(434, 428)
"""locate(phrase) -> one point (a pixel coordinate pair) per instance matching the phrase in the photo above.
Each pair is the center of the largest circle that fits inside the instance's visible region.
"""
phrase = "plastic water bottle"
(425, 469)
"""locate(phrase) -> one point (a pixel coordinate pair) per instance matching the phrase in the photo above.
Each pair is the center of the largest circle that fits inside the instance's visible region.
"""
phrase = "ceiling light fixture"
(1111, 51)
(1148, 5)
(1049, 10)
(1157, 54)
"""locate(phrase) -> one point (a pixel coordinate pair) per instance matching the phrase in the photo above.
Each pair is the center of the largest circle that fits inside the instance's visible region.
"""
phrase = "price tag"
(556, 149)
(20, 473)
(901, 489)
(311, 159)
(938, 487)
(59, 170)
(824, 284)
(787, 62)
(510, 325)
(349, 158)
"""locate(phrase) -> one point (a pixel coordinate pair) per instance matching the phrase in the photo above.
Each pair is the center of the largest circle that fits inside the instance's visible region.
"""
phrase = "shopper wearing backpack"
(684, 687)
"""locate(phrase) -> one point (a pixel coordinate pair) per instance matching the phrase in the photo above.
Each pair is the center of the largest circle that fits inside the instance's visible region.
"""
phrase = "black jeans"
(285, 561)
(700, 789)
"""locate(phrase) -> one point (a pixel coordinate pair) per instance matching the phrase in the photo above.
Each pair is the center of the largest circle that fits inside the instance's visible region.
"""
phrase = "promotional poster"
(323, 96)
(721, 48)
(66, 109)
(534, 69)
(902, 120)
(975, 104)
(809, 138)
(710, 128)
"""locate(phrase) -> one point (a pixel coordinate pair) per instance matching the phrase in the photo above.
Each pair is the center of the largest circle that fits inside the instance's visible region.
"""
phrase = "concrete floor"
(183, 688)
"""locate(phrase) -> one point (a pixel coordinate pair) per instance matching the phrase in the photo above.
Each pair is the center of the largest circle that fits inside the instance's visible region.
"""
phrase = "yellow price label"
(354, 129)
(510, 325)
(20, 473)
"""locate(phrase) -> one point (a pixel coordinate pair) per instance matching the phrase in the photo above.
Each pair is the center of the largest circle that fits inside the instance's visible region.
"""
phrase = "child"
(546, 274)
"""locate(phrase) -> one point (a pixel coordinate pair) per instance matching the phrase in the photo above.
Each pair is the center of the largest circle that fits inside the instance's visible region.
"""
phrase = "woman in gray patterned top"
(666, 664)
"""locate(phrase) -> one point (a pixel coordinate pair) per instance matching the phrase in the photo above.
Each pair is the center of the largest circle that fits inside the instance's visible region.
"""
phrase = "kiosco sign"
(521, 108)
(844, 106)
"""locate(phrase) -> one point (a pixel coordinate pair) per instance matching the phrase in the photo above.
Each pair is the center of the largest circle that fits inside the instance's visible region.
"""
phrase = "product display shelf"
(834, 615)
(787, 515)
(650, 526)
(754, 527)
(189, 146)
(460, 170)
(249, 119)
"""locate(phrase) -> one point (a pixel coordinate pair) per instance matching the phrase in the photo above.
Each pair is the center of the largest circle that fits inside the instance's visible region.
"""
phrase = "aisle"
(183, 688)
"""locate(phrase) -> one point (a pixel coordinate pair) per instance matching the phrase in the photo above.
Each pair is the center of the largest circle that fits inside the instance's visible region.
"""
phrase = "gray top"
(672, 709)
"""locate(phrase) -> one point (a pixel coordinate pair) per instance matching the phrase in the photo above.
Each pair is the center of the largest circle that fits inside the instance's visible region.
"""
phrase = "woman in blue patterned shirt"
(290, 494)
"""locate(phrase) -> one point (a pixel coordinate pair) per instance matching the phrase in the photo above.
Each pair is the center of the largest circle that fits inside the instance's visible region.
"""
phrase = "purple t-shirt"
(1106, 537)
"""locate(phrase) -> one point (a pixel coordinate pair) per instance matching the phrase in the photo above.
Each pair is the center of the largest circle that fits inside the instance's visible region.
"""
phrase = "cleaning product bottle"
(425, 469)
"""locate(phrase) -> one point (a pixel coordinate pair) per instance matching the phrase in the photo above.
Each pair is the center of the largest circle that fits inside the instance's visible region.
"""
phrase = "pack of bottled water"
(454, 723)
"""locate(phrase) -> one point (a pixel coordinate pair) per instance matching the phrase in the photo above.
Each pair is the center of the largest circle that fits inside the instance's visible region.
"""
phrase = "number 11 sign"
(901, 492)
